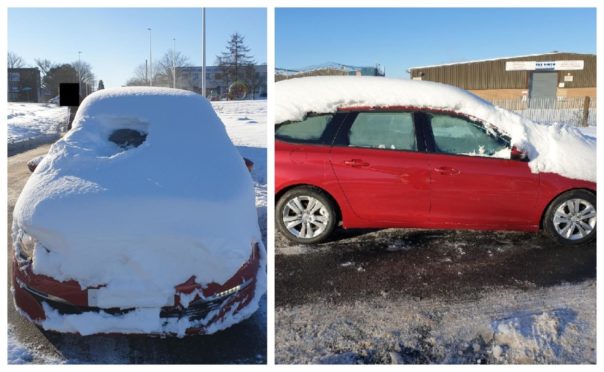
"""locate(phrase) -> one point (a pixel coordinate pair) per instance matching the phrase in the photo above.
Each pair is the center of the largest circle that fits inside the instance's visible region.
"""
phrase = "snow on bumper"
(195, 308)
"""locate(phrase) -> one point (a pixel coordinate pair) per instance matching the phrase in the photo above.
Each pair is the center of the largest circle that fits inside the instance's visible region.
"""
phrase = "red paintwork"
(384, 188)
(71, 291)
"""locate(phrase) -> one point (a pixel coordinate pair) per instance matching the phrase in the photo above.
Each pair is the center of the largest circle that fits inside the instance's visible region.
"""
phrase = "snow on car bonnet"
(554, 148)
(168, 198)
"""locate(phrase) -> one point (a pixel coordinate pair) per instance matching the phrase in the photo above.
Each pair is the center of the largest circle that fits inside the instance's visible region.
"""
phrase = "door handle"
(356, 163)
(446, 171)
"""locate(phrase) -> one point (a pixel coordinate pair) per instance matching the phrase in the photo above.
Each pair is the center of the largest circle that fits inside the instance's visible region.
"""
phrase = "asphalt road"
(242, 343)
(423, 264)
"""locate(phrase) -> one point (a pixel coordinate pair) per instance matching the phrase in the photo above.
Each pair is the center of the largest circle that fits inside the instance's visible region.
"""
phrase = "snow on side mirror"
(518, 154)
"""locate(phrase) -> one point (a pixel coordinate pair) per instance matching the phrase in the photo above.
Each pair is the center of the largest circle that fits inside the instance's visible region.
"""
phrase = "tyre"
(571, 218)
(306, 215)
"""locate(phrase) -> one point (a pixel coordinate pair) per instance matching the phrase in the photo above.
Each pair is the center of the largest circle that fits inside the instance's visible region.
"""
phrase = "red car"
(124, 226)
(414, 166)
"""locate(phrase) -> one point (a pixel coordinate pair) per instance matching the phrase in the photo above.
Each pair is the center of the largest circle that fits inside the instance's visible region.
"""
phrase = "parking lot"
(420, 296)
(242, 343)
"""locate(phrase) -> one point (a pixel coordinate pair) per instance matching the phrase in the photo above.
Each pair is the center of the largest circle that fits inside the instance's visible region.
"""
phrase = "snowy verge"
(546, 325)
(553, 148)
(20, 353)
(31, 124)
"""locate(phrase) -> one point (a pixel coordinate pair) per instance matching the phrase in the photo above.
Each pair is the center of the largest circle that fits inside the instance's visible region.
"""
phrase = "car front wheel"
(571, 218)
(305, 215)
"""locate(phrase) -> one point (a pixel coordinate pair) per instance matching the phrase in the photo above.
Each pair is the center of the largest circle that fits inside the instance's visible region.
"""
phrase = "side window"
(453, 135)
(308, 130)
(383, 130)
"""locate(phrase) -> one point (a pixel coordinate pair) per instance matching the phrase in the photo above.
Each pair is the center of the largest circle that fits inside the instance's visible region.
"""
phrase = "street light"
(79, 73)
(150, 60)
(173, 63)
(203, 64)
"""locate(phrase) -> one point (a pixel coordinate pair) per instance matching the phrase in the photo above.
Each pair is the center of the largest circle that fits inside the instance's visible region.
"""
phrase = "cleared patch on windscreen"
(127, 138)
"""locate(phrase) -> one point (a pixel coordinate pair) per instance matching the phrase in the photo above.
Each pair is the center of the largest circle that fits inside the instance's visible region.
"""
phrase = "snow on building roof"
(551, 148)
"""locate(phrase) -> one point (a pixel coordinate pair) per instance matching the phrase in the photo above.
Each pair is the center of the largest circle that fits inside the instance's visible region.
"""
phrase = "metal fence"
(577, 111)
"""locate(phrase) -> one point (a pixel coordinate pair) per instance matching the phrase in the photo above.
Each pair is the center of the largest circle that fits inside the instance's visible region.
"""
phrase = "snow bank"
(34, 123)
(141, 220)
(551, 148)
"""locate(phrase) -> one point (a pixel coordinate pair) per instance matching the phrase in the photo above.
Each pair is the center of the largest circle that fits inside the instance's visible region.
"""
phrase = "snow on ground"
(35, 122)
(507, 326)
(553, 148)
(245, 122)
(85, 167)
(20, 353)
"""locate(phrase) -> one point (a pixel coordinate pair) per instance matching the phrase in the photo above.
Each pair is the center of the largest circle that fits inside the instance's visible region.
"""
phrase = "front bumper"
(203, 306)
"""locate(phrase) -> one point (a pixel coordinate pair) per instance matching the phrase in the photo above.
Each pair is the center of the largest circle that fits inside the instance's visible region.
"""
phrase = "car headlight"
(24, 247)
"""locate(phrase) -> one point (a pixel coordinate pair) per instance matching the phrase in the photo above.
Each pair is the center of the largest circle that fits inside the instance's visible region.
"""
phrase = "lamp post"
(79, 73)
(150, 60)
(173, 63)
(203, 65)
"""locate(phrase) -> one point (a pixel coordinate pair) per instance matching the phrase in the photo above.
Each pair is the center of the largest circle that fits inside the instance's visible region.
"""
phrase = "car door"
(474, 183)
(381, 172)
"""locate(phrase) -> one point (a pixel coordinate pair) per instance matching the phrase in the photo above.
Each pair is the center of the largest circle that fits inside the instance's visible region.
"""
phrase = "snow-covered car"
(142, 219)
(371, 152)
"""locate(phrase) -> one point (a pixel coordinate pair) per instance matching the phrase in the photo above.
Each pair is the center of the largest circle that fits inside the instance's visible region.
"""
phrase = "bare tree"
(164, 68)
(44, 65)
(163, 74)
(87, 78)
(140, 77)
(253, 79)
(14, 61)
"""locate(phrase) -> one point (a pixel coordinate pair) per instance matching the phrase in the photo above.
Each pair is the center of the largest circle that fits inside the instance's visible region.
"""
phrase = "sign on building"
(544, 65)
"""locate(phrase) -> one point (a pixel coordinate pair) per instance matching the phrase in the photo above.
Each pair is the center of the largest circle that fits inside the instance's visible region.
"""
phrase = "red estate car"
(392, 166)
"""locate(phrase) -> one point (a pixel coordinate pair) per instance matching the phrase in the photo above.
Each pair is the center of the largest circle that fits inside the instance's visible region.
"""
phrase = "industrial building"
(327, 69)
(216, 88)
(548, 75)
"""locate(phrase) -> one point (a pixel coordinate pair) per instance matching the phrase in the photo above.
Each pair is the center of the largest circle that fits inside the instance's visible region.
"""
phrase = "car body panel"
(32, 290)
(377, 188)
(382, 183)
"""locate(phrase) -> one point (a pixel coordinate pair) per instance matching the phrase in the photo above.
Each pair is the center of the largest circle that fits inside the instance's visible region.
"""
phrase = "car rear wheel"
(305, 215)
(571, 218)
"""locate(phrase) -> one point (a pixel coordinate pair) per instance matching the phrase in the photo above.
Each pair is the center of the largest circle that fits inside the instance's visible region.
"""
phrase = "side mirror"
(33, 163)
(249, 164)
(518, 154)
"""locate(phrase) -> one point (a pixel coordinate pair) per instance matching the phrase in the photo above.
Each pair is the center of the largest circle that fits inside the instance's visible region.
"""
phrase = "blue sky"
(115, 40)
(403, 38)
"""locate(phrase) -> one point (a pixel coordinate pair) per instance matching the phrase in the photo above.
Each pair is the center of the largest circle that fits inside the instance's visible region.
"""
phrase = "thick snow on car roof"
(555, 148)
(140, 220)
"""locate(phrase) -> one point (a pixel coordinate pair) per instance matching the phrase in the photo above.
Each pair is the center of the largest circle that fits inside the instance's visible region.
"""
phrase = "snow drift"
(140, 220)
(554, 148)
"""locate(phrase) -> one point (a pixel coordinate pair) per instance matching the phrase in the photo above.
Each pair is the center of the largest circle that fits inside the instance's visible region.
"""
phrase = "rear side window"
(383, 130)
(309, 130)
(453, 135)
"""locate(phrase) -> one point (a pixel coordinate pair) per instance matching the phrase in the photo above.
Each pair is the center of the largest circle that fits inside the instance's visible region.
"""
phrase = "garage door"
(543, 85)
